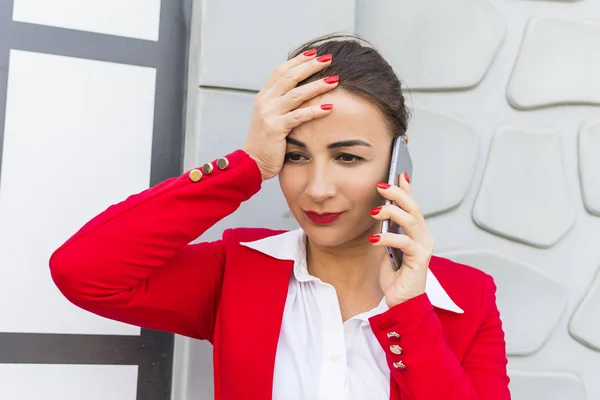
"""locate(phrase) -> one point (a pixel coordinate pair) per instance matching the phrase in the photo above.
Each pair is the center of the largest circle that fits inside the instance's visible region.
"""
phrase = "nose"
(321, 185)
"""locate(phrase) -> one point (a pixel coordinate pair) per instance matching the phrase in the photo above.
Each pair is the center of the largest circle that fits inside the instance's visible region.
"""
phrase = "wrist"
(264, 172)
(394, 300)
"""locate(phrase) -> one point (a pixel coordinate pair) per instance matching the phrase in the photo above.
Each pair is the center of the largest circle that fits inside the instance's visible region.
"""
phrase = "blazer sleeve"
(133, 262)
(432, 370)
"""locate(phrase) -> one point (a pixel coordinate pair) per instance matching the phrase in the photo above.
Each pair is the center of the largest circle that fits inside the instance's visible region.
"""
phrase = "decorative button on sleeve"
(207, 168)
(222, 163)
(399, 365)
(393, 335)
(195, 175)
(396, 349)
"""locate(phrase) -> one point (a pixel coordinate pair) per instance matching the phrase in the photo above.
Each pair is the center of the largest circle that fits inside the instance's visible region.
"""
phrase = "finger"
(304, 114)
(296, 97)
(404, 183)
(402, 198)
(398, 241)
(289, 64)
(411, 225)
(291, 77)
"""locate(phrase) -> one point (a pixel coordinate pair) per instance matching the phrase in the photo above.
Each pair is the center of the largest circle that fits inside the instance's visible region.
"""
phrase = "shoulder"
(236, 235)
(467, 286)
(452, 272)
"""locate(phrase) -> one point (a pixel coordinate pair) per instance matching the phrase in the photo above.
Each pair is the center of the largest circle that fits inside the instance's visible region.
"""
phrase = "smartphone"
(400, 163)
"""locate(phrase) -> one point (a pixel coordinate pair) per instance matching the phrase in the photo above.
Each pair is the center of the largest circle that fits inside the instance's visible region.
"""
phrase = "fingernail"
(374, 238)
(375, 211)
(406, 177)
(324, 58)
(332, 79)
(383, 185)
(310, 53)
(326, 107)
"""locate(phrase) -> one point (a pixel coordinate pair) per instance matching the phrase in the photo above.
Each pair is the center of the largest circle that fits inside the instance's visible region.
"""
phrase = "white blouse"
(319, 357)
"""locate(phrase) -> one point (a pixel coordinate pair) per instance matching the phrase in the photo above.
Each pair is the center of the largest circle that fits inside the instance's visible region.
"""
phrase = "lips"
(322, 218)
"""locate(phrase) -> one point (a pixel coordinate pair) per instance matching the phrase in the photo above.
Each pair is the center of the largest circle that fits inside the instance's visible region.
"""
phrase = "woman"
(316, 313)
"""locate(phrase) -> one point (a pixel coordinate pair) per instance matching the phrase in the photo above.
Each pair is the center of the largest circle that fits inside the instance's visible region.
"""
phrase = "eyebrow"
(335, 145)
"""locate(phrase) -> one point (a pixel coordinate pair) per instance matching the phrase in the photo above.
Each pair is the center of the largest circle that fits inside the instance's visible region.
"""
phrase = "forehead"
(351, 118)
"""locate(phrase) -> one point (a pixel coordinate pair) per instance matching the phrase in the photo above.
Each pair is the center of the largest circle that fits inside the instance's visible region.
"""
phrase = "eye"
(346, 158)
(294, 157)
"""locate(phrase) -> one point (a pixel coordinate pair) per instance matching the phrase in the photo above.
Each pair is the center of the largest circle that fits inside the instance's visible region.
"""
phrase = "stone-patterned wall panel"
(455, 57)
(445, 149)
(498, 198)
(523, 194)
(585, 324)
(589, 165)
(546, 385)
(530, 306)
(243, 41)
(550, 48)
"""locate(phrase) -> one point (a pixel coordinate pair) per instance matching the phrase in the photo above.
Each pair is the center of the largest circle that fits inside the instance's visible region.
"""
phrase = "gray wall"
(506, 143)
(91, 110)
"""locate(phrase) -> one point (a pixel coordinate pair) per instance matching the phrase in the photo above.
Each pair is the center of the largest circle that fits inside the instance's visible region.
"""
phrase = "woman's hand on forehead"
(277, 109)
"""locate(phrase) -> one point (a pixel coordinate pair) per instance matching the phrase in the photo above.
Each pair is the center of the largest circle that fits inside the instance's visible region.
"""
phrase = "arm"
(133, 262)
(432, 370)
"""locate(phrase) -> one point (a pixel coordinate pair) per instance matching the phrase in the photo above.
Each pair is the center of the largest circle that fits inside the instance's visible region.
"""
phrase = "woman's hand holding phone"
(416, 244)
(277, 109)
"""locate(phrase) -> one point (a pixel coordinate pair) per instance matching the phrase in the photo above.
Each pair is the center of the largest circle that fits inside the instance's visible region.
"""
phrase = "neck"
(351, 267)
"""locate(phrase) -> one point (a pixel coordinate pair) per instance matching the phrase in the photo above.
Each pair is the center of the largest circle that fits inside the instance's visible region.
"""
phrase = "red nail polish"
(406, 177)
(374, 238)
(383, 185)
(324, 58)
(331, 79)
(310, 53)
(326, 107)
(375, 211)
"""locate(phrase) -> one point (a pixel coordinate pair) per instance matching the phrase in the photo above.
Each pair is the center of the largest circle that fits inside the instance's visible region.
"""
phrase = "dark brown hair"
(364, 73)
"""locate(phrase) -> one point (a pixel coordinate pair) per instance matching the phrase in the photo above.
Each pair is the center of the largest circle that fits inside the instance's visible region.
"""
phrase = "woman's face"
(332, 167)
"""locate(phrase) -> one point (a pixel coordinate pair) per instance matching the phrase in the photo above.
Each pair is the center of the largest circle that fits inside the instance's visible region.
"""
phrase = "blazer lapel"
(253, 297)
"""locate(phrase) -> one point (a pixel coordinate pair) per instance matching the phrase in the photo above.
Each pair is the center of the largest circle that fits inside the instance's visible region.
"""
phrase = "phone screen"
(399, 164)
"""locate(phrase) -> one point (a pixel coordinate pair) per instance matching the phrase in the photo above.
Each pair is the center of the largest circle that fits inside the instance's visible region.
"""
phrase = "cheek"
(290, 184)
(361, 188)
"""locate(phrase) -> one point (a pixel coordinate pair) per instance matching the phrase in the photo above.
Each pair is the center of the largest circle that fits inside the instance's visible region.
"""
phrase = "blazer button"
(393, 335)
(396, 349)
(207, 168)
(399, 365)
(195, 175)
(222, 163)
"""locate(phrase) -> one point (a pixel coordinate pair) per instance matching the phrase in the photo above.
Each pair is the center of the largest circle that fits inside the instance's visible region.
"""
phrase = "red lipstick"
(322, 218)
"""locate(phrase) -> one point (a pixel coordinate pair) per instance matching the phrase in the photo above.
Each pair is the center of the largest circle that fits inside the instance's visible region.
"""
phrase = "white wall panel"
(131, 18)
(67, 382)
(78, 138)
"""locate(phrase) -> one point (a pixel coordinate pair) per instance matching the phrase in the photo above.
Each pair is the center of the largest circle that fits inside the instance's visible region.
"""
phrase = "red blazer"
(133, 263)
